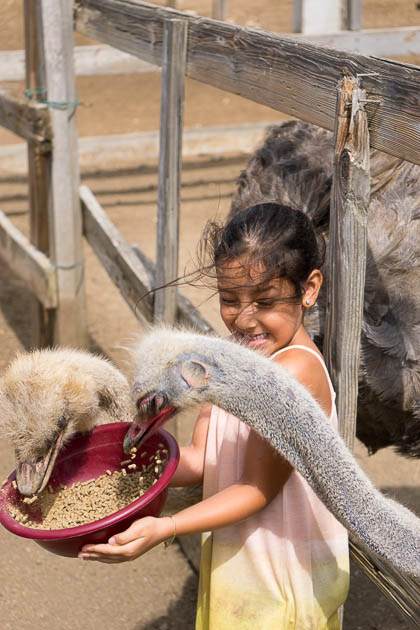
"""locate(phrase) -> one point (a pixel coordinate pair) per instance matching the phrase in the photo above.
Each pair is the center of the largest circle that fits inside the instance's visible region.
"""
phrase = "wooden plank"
(171, 122)
(128, 267)
(66, 254)
(28, 262)
(347, 262)
(39, 168)
(347, 252)
(120, 261)
(353, 14)
(316, 16)
(220, 9)
(295, 78)
(27, 120)
(100, 59)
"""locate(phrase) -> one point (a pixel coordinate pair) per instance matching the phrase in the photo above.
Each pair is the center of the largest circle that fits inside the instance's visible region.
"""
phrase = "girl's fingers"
(112, 553)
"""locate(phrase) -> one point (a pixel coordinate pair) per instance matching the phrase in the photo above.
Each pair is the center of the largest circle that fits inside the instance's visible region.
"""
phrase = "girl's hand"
(141, 536)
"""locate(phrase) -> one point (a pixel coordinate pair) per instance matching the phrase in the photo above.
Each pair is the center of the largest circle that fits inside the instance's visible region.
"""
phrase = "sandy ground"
(158, 591)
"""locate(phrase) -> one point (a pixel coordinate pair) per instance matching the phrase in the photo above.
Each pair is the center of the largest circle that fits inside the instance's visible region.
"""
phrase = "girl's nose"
(245, 319)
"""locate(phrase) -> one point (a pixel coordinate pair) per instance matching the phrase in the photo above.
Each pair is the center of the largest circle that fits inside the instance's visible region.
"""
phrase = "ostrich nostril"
(159, 402)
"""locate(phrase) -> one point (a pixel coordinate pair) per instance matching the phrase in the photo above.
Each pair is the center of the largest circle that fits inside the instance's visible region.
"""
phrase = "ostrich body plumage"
(176, 369)
(294, 167)
(46, 396)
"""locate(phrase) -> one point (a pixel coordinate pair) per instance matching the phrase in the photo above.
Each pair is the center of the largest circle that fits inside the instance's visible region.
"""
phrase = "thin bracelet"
(169, 542)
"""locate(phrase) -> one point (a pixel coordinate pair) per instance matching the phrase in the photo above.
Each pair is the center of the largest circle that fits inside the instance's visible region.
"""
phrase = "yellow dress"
(286, 567)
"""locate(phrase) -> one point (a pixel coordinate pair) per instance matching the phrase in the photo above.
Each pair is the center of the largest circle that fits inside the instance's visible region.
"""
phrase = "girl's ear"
(311, 288)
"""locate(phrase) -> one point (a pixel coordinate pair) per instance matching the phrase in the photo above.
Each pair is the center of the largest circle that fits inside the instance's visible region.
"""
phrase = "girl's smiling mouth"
(251, 340)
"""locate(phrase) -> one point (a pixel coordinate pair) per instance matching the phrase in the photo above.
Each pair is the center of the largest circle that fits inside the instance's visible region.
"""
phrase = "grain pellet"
(85, 502)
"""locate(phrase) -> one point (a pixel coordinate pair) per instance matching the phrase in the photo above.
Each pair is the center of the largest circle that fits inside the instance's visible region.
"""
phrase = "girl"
(272, 555)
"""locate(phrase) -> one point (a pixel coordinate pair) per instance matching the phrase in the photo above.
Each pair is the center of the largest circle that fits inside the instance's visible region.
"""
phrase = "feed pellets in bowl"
(95, 490)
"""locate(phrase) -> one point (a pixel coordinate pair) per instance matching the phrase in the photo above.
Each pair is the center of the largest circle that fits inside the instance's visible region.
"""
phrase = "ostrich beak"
(33, 474)
(152, 412)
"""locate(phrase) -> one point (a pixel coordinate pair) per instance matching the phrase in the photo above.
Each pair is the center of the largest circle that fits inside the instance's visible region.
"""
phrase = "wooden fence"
(367, 101)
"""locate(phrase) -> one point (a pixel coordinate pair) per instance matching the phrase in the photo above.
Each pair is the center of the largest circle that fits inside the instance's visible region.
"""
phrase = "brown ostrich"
(294, 167)
(46, 396)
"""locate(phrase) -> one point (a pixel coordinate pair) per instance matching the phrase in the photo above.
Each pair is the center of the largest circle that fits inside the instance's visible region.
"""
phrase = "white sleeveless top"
(286, 567)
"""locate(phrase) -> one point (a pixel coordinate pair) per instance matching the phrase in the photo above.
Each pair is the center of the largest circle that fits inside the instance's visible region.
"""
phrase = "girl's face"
(253, 310)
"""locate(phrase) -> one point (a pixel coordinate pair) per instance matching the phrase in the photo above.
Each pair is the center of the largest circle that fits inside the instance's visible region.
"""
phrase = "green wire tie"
(67, 267)
(31, 93)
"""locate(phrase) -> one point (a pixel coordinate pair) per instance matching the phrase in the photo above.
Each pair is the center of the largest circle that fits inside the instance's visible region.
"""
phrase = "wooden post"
(171, 119)
(316, 16)
(347, 251)
(220, 9)
(38, 170)
(56, 25)
(353, 15)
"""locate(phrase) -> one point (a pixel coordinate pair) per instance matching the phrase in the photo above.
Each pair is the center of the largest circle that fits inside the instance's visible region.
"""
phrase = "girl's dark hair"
(277, 238)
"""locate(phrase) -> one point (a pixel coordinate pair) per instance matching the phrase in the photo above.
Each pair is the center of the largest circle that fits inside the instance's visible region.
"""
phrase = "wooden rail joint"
(30, 121)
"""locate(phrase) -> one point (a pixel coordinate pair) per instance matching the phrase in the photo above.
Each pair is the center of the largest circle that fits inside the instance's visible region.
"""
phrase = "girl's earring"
(307, 302)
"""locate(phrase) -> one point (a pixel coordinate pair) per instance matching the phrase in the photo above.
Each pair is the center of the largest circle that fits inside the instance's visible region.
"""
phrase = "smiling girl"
(273, 557)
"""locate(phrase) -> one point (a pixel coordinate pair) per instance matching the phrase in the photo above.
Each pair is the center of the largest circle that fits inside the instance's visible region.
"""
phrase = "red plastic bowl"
(87, 457)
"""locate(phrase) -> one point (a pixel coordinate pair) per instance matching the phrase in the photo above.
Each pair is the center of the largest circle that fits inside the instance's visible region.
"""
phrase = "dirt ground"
(158, 591)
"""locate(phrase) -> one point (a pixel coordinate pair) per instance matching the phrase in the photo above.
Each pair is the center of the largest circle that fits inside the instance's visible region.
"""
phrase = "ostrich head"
(176, 377)
(47, 396)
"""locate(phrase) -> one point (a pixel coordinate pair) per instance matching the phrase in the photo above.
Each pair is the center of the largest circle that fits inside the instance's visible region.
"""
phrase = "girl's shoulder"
(307, 366)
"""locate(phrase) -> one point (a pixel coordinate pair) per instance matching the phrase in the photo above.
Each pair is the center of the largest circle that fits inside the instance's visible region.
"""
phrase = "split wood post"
(316, 16)
(220, 9)
(347, 251)
(66, 253)
(171, 120)
(38, 170)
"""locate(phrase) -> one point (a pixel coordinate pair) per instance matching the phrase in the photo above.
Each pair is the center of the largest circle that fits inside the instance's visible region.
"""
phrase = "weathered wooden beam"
(100, 59)
(296, 78)
(171, 123)
(347, 264)
(120, 261)
(28, 262)
(347, 251)
(39, 170)
(66, 251)
(27, 120)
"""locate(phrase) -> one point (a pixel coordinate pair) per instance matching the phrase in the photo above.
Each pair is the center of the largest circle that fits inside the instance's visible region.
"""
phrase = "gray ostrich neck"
(269, 400)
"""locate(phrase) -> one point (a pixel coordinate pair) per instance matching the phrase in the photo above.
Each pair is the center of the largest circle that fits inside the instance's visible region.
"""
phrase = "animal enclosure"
(230, 58)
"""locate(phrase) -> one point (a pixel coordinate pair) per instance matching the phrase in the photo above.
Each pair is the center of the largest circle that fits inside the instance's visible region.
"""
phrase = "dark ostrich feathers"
(294, 167)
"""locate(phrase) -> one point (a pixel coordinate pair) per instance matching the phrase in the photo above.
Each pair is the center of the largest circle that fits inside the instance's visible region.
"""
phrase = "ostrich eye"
(194, 373)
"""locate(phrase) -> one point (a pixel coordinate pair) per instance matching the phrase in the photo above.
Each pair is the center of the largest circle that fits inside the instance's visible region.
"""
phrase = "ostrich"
(46, 396)
(294, 167)
(175, 369)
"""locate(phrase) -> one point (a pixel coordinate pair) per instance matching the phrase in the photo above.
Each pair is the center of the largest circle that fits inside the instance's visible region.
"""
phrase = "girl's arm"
(265, 472)
(191, 461)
